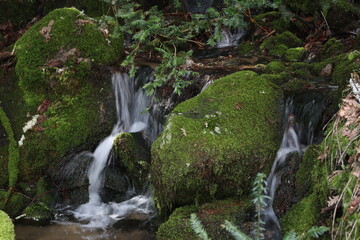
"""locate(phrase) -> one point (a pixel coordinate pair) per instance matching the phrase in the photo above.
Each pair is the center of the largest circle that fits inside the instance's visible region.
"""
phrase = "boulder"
(213, 145)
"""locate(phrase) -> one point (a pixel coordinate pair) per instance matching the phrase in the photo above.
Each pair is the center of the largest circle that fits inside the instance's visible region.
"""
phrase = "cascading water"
(131, 105)
(302, 116)
(230, 37)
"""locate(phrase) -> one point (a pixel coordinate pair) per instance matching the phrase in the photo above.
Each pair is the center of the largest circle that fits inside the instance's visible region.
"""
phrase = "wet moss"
(277, 78)
(332, 47)
(246, 49)
(302, 216)
(14, 203)
(7, 231)
(212, 215)
(294, 54)
(39, 213)
(278, 50)
(296, 85)
(215, 139)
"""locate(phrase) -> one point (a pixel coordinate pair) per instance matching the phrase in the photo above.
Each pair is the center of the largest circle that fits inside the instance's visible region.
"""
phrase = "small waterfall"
(230, 37)
(131, 105)
(302, 115)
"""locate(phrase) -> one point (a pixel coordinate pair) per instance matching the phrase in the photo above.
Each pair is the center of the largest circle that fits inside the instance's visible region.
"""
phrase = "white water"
(230, 38)
(131, 103)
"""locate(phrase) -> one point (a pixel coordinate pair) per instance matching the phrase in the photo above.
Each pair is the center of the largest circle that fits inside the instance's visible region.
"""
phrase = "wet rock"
(224, 136)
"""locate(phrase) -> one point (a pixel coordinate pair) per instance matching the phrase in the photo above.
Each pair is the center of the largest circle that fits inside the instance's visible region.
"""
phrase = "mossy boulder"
(6, 227)
(54, 56)
(133, 153)
(294, 54)
(279, 44)
(302, 216)
(212, 215)
(215, 143)
(275, 67)
(332, 47)
(273, 20)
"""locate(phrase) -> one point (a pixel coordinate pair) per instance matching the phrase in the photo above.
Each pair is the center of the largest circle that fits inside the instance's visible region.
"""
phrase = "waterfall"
(131, 105)
(302, 115)
(230, 37)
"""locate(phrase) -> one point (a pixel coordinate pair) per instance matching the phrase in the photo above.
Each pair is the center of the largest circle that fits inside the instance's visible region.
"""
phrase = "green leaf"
(235, 232)
(198, 228)
(316, 231)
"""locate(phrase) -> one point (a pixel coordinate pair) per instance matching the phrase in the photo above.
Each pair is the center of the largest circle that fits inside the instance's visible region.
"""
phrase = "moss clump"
(277, 78)
(278, 50)
(246, 49)
(296, 85)
(273, 20)
(13, 160)
(39, 213)
(331, 48)
(6, 227)
(72, 40)
(212, 215)
(134, 154)
(275, 67)
(287, 39)
(14, 203)
(302, 216)
(222, 137)
(294, 54)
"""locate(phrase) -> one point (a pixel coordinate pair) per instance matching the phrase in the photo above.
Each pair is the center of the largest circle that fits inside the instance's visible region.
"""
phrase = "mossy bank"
(222, 137)
(6, 227)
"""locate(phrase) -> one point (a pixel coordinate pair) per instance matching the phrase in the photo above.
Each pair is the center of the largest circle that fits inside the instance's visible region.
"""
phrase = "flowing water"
(231, 37)
(302, 118)
(105, 220)
(131, 105)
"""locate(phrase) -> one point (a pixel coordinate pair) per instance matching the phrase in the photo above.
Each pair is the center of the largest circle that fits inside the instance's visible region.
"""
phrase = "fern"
(235, 232)
(316, 231)
(198, 228)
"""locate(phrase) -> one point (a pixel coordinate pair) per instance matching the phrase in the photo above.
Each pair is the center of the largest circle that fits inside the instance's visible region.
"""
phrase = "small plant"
(259, 200)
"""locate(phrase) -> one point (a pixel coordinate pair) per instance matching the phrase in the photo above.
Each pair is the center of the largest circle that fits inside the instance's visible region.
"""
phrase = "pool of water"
(74, 231)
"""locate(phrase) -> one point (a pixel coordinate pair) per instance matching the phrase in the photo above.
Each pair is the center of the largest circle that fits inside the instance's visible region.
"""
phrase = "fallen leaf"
(333, 200)
(45, 31)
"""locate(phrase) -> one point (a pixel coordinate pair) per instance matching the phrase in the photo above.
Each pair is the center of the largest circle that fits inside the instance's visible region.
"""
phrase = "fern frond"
(291, 236)
(235, 232)
(198, 228)
(316, 231)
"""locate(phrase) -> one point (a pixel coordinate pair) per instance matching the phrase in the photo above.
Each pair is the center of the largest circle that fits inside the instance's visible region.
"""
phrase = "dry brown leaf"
(45, 31)
(333, 200)
(354, 204)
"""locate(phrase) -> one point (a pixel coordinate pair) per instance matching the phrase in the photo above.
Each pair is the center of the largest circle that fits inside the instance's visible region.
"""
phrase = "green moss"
(14, 203)
(246, 49)
(134, 154)
(42, 192)
(212, 215)
(294, 54)
(302, 216)
(70, 29)
(342, 71)
(275, 67)
(222, 137)
(277, 78)
(296, 85)
(39, 213)
(273, 20)
(332, 47)
(278, 50)
(6, 227)
(287, 38)
(13, 170)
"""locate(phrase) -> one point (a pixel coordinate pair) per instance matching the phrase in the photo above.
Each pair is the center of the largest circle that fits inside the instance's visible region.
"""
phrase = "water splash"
(131, 105)
(231, 37)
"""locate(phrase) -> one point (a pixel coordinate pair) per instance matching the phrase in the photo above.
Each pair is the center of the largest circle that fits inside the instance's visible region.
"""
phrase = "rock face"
(222, 137)
(65, 85)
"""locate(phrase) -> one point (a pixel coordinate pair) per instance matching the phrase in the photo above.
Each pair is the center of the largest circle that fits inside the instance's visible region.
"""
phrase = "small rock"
(327, 70)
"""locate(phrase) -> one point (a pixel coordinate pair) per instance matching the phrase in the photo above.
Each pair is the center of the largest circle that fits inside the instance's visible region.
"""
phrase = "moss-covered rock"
(38, 214)
(296, 85)
(222, 137)
(294, 54)
(279, 44)
(134, 154)
(275, 67)
(54, 55)
(6, 227)
(277, 78)
(212, 215)
(302, 216)
(332, 47)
